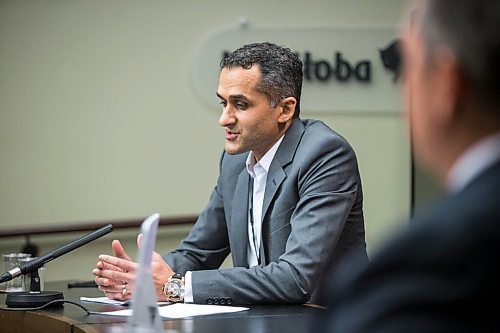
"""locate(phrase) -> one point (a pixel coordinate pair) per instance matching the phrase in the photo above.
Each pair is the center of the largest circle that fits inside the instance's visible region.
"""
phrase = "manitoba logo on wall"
(345, 69)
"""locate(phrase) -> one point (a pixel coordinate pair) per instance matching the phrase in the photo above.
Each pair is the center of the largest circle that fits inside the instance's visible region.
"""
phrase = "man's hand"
(115, 275)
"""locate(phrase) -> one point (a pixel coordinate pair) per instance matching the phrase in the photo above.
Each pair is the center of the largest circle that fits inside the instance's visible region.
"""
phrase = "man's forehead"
(238, 81)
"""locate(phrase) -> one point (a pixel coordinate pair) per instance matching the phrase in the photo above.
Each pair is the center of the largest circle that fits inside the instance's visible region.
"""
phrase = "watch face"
(173, 289)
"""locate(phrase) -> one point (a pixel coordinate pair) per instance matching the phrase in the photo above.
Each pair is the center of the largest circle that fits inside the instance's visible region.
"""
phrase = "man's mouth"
(231, 135)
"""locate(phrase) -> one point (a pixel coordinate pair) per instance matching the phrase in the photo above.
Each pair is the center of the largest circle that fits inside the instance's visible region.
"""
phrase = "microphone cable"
(57, 301)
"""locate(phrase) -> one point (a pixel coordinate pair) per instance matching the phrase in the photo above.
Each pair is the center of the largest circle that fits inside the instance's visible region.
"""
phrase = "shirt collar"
(265, 161)
(475, 160)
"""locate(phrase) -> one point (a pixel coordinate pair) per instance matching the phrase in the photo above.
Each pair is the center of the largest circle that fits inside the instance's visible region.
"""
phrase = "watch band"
(174, 289)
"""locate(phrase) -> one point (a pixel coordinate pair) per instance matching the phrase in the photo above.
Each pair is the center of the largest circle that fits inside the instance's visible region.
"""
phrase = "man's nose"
(227, 117)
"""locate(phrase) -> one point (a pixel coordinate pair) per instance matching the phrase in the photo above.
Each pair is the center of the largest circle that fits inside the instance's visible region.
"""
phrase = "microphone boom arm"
(35, 264)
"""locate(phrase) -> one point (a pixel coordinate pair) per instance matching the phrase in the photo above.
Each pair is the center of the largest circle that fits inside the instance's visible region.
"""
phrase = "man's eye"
(241, 105)
(223, 103)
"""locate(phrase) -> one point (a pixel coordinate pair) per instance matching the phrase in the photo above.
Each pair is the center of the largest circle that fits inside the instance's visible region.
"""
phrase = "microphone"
(23, 299)
(40, 261)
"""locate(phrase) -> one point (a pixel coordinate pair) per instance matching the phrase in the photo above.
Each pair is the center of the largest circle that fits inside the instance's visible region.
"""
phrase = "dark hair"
(280, 68)
(471, 30)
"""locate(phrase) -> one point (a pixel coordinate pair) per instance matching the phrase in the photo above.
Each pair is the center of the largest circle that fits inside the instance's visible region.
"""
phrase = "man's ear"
(448, 87)
(287, 109)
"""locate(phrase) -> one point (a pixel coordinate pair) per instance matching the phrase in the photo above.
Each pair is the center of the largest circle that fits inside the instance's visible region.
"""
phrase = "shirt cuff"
(188, 288)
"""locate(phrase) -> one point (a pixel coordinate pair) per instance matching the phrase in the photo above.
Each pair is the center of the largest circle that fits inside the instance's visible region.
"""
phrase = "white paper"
(105, 300)
(183, 310)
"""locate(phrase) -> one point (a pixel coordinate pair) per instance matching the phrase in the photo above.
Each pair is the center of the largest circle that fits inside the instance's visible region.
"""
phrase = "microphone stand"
(35, 297)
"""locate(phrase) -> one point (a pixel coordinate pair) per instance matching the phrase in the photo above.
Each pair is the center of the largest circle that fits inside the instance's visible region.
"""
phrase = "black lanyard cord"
(250, 216)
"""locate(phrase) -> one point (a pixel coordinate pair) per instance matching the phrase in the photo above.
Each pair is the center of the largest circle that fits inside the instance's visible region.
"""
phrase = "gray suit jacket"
(312, 220)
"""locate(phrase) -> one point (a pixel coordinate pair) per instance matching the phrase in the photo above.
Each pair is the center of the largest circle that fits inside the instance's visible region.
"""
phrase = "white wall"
(98, 119)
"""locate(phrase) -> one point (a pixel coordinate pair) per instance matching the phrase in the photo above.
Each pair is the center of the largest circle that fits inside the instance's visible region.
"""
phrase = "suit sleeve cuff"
(188, 288)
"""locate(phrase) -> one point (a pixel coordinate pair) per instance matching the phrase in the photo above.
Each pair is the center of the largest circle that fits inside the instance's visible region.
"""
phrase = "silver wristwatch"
(173, 289)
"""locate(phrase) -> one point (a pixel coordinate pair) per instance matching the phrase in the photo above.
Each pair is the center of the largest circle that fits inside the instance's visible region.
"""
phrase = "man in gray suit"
(287, 205)
(442, 274)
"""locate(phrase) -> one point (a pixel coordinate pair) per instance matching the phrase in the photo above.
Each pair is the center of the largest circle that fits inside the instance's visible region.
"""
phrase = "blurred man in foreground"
(442, 274)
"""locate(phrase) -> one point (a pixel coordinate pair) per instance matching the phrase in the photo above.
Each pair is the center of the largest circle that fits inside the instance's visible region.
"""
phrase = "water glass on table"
(11, 261)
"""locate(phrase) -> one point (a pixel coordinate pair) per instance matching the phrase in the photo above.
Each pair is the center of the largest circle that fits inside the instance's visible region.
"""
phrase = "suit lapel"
(276, 176)
(239, 217)
(283, 157)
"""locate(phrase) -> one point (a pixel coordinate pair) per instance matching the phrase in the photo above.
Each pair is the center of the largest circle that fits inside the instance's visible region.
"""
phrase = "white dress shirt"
(475, 160)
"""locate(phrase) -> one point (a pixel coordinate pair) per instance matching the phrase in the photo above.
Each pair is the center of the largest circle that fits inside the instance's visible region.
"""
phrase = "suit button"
(210, 300)
(216, 300)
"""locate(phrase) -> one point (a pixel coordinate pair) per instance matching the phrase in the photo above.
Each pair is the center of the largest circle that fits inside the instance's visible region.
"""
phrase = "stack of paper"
(177, 310)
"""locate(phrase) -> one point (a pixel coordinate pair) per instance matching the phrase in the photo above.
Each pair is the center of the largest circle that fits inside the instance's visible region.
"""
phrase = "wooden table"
(70, 318)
